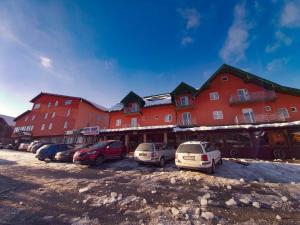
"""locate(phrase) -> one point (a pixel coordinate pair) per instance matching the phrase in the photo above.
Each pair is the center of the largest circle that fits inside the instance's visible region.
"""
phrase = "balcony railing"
(183, 105)
(259, 96)
(187, 122)
(129, 110)
(260, 118)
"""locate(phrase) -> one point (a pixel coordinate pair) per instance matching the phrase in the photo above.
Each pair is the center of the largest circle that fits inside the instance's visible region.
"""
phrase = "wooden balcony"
(187, 123)
(259, 96)
(184, 105)
(260, 118)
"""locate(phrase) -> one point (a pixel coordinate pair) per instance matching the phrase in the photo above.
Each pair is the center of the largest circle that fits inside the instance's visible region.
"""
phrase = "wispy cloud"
(237, 40)
(46, 62)
(277, 64)
(290, 15)
(281, 39)
(191, 18)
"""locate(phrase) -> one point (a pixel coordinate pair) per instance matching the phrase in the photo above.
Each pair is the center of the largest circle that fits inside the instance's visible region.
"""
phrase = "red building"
(243, 114)
(53, 116)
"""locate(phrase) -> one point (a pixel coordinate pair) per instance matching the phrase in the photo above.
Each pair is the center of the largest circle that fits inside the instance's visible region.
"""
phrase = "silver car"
(154, 153)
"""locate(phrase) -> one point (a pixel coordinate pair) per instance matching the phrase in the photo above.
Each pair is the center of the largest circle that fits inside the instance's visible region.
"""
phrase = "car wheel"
(99, 160)
(234, 153)
(279, 154)
(123, 155)
(212, 169)
(40, 159)
(162, 162)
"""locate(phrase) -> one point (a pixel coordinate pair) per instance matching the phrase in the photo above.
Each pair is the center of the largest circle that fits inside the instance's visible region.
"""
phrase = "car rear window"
(99, 145)
(190, 148)
(145, 147)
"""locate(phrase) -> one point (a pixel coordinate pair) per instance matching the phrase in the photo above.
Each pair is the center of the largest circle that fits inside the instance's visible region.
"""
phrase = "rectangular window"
(37, 106)
(294, 109)
(224, 78)
(156, 117)
(53, 114)
(50, 126)
(284, 112)
(68, 102)
(243, 94)
(134, 107)
(98, 117)
(43, 127)
(134, 122)
(118, 122)
(68, 112)
(33, 117)
(184, 100)
(214, 96)
(168, 118)
(49, 104)
(268, 108)
(65, 125)
(218, 115)
(56, 103)
(248, 115)
(26, 118)
(46, 116)
(186, 119)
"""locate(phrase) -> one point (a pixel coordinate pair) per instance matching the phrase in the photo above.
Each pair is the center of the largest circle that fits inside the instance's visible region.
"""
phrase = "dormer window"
(37, 106)
(134, 107)
(184, 100)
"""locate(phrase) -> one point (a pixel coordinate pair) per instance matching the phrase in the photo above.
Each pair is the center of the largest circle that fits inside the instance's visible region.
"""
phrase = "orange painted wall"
(146, 118)
(205, 107)
(87, 116)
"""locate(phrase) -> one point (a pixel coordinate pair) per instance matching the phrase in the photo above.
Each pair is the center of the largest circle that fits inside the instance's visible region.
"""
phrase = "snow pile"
(162, 99)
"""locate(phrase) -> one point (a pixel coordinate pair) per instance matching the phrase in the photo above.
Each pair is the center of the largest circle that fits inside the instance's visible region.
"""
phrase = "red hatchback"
(99, 152)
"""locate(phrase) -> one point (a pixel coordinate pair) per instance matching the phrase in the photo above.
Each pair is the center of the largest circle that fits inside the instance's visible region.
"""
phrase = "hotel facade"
(241, 113)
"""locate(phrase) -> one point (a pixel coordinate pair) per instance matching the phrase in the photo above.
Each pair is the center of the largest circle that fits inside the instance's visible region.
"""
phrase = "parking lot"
(123, 192)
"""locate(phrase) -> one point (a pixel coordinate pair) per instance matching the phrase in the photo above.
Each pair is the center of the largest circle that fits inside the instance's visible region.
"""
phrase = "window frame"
(268, 108)
(294, 109)
(282, 110)
(214, 96)
(218, 115)
(118, 122)
(168, 118)
(50, 126)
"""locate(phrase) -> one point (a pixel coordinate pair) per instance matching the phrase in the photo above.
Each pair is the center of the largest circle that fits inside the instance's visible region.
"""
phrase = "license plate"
(143, 154)
(189, 157)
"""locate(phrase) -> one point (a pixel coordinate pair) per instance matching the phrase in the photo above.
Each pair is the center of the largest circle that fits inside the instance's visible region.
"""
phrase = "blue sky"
(100, 50)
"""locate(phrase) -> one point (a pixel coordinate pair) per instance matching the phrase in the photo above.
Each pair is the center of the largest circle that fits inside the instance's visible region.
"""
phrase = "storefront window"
(271, 138)
(295, 136)
(238, 140)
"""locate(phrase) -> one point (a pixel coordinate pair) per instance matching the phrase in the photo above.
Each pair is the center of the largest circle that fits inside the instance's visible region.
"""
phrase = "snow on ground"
(124, 192)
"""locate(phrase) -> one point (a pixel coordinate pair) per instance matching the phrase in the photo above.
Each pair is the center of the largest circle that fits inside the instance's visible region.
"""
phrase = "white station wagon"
(197, 155)
(154, 153)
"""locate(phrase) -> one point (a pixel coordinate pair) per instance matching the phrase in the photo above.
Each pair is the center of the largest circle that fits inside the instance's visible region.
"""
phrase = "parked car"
(99, 152)
(154, 153)
(38, 145)
(49, 151)
(23, 146)
(198, 155)
(31, 145)
(12, 146)
(67, 156)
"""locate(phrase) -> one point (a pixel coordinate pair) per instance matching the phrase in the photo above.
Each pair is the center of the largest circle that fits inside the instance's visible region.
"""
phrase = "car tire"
(162, 162)
(212, 169)
(123, 155)
(279, 154)
(40, 159)
(99, 161)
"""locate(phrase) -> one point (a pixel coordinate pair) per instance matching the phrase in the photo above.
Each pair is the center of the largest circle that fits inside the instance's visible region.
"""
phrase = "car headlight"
(91, 152)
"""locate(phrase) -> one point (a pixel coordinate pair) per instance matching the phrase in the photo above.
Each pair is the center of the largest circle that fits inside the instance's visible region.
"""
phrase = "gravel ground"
(123, 192)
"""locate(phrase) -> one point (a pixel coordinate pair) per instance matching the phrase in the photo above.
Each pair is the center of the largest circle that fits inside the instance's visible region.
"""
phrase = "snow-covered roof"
(98, 106)
(138, 128)
(9, 120)
(245, 126)
(161, 99)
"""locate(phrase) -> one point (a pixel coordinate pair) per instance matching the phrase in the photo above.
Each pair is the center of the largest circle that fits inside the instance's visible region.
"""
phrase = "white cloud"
(46, 62)
(191, 17)
(186, 40)
(281, 39)
(236, 42)
(276, 64)
(290, 16)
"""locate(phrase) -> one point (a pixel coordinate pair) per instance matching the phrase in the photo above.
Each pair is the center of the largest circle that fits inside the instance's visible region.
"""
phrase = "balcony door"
(243, 94)
(184, 101)
(186, 119)
(134, 107)
(134, 122)
(249, 116)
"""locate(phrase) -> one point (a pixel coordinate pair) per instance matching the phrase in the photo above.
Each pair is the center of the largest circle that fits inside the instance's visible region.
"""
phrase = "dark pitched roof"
(183, 88)
(72, 97)
(23, 114)
(132, 97)
(8, 119)
(251, 78)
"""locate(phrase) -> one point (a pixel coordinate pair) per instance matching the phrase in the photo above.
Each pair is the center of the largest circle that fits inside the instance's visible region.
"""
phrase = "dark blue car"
(49, 151)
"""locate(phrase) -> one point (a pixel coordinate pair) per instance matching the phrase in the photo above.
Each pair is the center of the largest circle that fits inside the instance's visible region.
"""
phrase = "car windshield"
(145, 147)
(99, 145)
(190, 148)
(45, 146)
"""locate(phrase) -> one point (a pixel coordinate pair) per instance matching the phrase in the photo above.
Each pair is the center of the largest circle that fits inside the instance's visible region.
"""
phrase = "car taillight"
(176, 156)
(204, 157)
